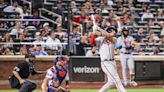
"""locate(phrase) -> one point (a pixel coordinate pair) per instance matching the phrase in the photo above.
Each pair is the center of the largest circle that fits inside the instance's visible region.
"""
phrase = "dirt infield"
(89, 85)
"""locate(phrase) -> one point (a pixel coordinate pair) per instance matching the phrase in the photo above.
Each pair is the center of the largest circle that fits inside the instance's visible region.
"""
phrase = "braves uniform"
(55, 74)
(124, 44)
(108, 65)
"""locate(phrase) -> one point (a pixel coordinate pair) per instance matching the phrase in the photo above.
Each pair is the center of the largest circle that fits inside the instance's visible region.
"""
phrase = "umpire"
(21, 73)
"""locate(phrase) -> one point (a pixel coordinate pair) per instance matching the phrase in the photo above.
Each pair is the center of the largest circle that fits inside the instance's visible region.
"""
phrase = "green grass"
(92, 90)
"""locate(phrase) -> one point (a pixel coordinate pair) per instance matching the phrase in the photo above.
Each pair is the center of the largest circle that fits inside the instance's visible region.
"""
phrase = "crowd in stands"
(144, 18)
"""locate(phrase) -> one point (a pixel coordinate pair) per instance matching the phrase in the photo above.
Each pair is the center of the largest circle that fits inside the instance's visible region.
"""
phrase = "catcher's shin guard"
(61, 89)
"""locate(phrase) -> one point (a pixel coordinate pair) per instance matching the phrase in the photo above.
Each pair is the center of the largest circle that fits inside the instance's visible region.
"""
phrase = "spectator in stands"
(22, 50)
(11, 8)
(17, 29)
(19, 48)
(108, 3)
(38, 51)
(44, 35)
(60, 34)
(131, 21)
(46, 28)
(1, 49)
(155, 50)
(112, 15)
(162, 43)
(14, 8)
(39, 40)
(74, 6)
(160, 13)
(80, 19)
(143, 7)
(104, 8)
(75, 38)
(57, 44)
(35, 15)
(17, 16)
(7, 51)
(3, 24)
(88, 7)
(147, 14)
(137, 50)
(124, 11)
(26, 11)
(162, 28)
(21, 38)
(152, 38)
(161, 46)
(92, 52)
(58, 9)
(124, 19)
(7, 39)
(80, 49)
(19, 10)
(151, 22)
(25, 32)
(119, 5)
(140, 35)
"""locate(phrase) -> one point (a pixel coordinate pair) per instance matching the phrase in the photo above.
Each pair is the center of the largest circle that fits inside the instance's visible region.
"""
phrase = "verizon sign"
(85, 69)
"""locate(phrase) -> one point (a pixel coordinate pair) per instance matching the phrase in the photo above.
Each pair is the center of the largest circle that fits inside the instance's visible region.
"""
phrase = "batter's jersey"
(124, 43)
(106, 49)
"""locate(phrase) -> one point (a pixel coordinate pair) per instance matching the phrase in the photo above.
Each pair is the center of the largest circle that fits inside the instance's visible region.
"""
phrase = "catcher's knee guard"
(51, 89)
(61, 89)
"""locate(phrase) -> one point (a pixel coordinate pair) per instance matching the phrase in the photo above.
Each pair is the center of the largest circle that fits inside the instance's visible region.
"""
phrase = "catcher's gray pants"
(28, 86)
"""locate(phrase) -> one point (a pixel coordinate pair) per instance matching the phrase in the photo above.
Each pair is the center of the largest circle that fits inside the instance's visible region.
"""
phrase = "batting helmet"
(109, 29)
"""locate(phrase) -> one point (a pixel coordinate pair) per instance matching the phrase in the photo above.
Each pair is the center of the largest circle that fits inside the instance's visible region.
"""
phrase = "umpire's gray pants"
(28, 86)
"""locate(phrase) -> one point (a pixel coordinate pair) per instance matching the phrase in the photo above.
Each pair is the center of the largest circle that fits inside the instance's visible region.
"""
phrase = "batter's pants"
(110, 69)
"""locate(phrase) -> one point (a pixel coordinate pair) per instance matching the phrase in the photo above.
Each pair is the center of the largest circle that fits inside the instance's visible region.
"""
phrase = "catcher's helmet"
(109, 29)
(56, 59)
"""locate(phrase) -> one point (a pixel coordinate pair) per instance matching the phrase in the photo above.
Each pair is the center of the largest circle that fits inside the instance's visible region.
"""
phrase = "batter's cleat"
(133, 83)
(125, 83)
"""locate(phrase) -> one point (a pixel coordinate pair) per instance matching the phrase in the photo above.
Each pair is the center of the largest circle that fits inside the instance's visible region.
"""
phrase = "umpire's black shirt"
(24, 69)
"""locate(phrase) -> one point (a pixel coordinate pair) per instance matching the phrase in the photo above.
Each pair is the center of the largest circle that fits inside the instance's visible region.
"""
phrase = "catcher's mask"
(60, 61)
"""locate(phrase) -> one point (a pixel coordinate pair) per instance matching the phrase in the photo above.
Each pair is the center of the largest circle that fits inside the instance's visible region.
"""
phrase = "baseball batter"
(108, 64)
(125, 44)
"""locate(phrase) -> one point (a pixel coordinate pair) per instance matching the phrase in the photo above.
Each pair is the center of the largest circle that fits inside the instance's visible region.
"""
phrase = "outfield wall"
(7, 63)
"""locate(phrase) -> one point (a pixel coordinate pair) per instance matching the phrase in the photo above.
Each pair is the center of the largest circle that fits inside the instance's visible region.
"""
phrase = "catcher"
(55, 76)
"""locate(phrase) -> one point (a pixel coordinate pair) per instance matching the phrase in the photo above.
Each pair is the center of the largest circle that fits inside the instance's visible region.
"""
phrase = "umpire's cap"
(29, 56)
(109, 29)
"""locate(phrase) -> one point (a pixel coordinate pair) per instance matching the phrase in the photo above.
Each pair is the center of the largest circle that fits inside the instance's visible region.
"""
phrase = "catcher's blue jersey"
(60, 73)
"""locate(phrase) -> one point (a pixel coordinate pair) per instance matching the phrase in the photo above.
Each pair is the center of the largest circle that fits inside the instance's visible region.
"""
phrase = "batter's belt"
(108, 60)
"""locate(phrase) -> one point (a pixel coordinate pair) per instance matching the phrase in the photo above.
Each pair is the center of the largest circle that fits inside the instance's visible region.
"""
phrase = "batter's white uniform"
(108, 65)
(125, 55)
